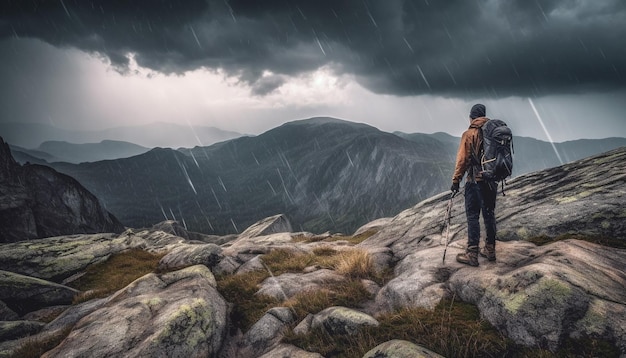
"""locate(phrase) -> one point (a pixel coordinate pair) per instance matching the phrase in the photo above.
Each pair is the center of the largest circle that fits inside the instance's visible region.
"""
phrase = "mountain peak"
(320, 121)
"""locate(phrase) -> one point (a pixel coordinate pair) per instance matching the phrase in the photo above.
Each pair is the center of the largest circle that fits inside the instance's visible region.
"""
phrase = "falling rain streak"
(235, 226)
(545, 130)
(188, 179)
(350, 159)
(195, 37)
(65, 8)
(216, 199)
(319, 43)
(423, 77)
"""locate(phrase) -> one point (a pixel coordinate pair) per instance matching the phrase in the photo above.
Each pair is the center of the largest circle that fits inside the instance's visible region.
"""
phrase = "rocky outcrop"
(535, 295)
(184, 255)
(271, 225)
(36, 202)
(538, 295)
(178, 314)
(58, 258)
(584, 197)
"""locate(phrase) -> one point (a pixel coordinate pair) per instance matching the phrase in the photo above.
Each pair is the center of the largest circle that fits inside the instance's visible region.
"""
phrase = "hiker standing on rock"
(480, 195)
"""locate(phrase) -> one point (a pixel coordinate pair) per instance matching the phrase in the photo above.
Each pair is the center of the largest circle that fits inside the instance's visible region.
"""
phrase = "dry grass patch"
(240, 291)
(355, 264)
(348, 294)
(102, 279)
(34, 348)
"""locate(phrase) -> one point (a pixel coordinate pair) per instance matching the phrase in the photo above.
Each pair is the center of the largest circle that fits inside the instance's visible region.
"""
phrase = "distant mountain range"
(57, 151)
(32, 135)
(325, 174)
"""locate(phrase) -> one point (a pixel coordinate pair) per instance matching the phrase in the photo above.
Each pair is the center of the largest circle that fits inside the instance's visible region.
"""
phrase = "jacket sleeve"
(463, 157)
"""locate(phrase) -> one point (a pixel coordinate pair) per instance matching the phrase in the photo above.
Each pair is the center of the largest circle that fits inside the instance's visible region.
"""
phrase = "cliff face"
(36, 202)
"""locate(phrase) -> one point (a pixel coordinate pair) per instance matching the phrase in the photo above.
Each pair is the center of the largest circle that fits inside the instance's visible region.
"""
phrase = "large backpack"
(496, 158)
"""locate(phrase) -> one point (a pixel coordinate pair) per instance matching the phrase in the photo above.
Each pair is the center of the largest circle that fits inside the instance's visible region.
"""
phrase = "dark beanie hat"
(478, 110)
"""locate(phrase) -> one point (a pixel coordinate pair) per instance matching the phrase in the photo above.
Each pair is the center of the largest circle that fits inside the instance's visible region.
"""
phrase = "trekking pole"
(447, 223)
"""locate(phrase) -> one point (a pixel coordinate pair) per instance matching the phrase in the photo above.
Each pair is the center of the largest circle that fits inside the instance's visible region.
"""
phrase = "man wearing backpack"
(480, 194)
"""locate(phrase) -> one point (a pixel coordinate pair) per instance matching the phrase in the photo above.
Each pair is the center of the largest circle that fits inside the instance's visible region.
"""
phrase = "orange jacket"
(470, 140)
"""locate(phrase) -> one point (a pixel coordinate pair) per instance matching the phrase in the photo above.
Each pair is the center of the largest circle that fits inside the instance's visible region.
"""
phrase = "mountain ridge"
(303, 168)
(161, 134)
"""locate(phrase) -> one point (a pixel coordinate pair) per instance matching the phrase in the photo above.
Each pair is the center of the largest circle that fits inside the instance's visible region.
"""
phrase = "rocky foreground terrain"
(537, 296)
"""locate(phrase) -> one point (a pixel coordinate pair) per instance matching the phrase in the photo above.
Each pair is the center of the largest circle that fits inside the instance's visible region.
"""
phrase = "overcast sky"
(248, 66)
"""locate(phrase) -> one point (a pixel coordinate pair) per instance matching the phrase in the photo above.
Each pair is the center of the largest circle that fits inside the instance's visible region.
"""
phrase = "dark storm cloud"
(457, 48)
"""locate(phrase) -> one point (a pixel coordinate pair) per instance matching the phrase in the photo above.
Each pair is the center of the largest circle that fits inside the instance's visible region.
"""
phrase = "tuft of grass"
(355, 264)
(281, 261)
(119, 270)
(349, 293)
(324, 251)
(600, 240)
(240, 291)
(34, 348)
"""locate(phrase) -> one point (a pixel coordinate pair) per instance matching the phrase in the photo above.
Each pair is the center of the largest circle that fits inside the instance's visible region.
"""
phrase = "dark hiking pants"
(480, 197)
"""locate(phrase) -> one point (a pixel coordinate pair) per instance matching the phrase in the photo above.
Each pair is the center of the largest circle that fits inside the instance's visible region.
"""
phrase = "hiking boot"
(489, 251)
(470, 257)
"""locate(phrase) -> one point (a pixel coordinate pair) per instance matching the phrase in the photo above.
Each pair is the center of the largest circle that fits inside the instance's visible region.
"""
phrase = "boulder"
(290, 284)
(400, 349)
(266, 332)
(342, 320)
(178, 314)
(25, 294)
(183, 255)
(271, 225)
(419, 281)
